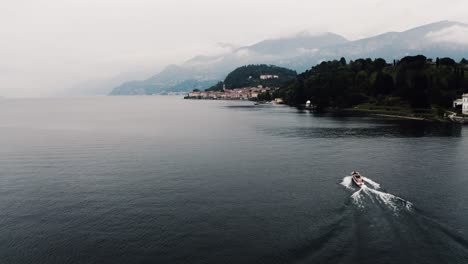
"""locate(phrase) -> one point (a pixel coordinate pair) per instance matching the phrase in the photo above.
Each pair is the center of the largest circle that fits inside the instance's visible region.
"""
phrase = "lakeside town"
(249, 92)
(246, 93)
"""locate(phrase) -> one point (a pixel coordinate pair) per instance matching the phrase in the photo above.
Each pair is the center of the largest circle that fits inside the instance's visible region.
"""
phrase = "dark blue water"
(163, 180)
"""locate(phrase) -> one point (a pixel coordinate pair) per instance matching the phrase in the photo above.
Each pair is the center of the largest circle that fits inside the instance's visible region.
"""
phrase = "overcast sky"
(49, 46)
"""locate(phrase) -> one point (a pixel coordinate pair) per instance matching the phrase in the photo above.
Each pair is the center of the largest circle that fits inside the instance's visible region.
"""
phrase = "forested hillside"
(414, 81)
(249, 76)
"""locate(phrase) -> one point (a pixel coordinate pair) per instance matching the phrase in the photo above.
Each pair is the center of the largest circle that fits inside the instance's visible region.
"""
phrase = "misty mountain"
(302, 51)
(172, 79)
(441, 39)
(204, 71)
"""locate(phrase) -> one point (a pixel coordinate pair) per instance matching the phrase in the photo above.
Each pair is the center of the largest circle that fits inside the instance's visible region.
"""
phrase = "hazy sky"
(48, 46)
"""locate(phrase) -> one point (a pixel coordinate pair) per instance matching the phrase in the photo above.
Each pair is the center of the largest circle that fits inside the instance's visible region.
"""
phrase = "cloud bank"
(49, 47)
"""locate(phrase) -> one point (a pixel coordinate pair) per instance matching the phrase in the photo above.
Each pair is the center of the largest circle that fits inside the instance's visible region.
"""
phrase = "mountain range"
(302, 51)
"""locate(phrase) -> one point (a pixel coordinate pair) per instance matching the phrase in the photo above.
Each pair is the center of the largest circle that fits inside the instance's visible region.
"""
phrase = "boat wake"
(387, 228)
(373, 194)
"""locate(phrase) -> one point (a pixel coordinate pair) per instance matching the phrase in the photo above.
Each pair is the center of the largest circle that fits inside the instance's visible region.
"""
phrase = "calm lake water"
(166, 180)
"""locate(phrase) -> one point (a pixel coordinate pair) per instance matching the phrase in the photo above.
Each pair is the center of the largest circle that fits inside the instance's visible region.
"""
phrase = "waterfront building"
(279, 101)
(463, 103)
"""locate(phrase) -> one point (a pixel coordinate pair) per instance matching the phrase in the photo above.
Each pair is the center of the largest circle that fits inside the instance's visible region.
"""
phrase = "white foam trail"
(347, 182)
(357, 198)
(389, 200)
(371, 182)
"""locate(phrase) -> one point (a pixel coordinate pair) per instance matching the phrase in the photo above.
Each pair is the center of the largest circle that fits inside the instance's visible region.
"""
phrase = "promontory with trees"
(251, 76)
(413, 86)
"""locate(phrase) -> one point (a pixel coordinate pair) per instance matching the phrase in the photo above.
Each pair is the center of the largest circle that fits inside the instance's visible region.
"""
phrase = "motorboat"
(357, 178)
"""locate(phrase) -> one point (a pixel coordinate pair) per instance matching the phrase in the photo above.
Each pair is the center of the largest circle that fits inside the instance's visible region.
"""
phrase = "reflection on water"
(249, 106)
(335, 125)
(397, 129)
(357, 125)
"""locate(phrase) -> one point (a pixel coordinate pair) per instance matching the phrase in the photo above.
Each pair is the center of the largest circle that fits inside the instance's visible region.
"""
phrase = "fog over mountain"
(88, 47)
(301, 51)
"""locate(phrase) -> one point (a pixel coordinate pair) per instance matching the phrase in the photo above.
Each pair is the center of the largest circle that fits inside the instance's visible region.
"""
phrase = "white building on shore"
(463, 102)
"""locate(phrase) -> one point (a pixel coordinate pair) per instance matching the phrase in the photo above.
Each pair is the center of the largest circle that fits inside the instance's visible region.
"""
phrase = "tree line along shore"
(413, 87)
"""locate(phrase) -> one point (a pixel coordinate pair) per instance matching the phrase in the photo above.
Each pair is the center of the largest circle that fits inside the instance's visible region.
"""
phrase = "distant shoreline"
(392, 114)
(403, 117)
